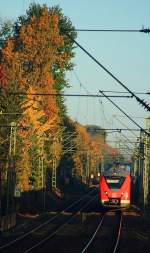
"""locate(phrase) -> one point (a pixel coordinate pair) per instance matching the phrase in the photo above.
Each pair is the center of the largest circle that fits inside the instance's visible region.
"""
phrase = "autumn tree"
(30, 58)
(65, 27)
(68, 149)
(6, 28)
(99, 135)
(87, 155)
(59, 68)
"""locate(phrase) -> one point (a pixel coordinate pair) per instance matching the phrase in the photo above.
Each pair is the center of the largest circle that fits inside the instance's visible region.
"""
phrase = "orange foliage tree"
(29, 59)
(88, 153)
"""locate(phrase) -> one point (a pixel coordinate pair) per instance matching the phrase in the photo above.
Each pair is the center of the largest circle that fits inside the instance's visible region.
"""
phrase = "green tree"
(6, 30)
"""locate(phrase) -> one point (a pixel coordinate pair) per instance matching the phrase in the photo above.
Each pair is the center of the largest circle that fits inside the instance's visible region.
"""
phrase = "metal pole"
(88, 168)
(43, 181)
(146, 173)
(11, 178)
(0, 199)
(54, 165)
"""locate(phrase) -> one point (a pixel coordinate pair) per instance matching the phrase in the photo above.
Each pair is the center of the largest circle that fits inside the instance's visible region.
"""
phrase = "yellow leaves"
(42, 24)
(27, 104)
(31, 100)
(30, 30)
(83, 133)
(77, 161)
(55, 20)
(88, 145)
(31, 112)
(58, 149)
(22, 167)
(3, 76)
(48, 79)
(8, 50)
(46, 126)
(38, 42)
(35, 115)
(44, 19)
(29, 59)
(28, 41)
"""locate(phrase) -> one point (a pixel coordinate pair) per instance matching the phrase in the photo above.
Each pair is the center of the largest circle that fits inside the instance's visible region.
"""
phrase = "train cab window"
(114, 182)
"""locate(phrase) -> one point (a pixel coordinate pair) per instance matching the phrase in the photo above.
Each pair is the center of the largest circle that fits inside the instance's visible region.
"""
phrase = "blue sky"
(127, 55)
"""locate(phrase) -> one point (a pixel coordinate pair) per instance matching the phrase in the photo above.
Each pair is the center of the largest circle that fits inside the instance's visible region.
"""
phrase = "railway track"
(41, 233)
(79, 230)
(113, 234)
(102, 236)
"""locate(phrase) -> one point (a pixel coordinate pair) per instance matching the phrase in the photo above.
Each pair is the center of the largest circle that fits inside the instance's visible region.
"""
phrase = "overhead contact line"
(139, 100)
(66, 95)
(142, 129)
(19, 126)
(125, 92)
(118, 129)
(143, 30)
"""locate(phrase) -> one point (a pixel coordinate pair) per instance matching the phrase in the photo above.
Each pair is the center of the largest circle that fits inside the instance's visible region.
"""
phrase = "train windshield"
(114, 182)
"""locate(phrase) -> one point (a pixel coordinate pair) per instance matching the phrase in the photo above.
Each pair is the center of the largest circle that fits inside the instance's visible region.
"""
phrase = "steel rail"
(119, 234)
(58, 229)
(43, 224)
(93, 236)
(99, 227)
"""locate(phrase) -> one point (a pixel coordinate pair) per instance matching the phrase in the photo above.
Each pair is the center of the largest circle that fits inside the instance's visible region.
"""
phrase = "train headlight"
(106, 193)
(122, 193)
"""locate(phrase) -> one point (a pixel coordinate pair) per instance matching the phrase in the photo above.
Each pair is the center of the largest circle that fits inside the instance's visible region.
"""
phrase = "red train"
(115, 190)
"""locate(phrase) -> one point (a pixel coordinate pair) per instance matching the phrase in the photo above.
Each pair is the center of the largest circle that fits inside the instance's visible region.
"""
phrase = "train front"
(115, 190)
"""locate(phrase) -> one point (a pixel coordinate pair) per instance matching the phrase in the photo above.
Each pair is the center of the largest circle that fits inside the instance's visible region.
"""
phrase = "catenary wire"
(65, 95)
(143, 30)
(139, 100)
(142, 129)
(125, 92)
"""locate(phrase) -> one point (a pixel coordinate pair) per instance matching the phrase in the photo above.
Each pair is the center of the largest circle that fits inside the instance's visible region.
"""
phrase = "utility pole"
(40, 182)
(1, 166)
(146, 171)
(41, 170)
(54, 165)
(88, 167)
(40, 173)
(11, 173)
(55, 139)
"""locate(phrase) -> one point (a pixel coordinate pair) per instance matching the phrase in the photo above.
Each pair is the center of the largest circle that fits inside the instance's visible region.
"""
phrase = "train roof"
(116, 174)
(117, 171)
